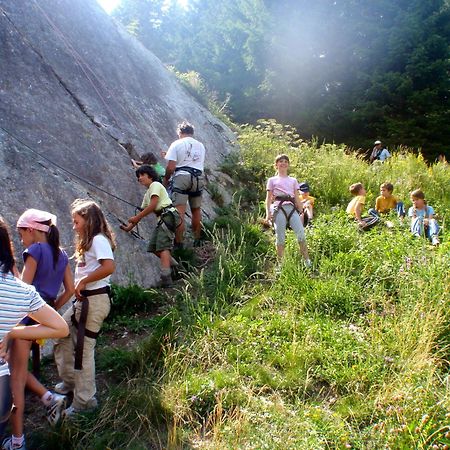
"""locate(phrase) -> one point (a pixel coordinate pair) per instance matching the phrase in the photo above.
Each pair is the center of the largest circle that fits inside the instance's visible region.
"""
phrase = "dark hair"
(149, 170)
(280, 157)
(7, 261)
(185, 128)
(149, 158)
(388, 186)
(53, 240)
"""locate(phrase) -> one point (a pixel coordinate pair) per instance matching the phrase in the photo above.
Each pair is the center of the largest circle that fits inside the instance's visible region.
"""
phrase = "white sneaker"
(434, 240)
(62, 388)
(7, 445)
(55, 409)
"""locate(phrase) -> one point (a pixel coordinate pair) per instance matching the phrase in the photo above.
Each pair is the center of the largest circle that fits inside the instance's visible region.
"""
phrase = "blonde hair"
(95, 223)
(355, 188)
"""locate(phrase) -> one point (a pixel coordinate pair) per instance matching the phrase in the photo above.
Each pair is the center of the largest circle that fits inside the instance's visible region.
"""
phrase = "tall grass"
(353, 357)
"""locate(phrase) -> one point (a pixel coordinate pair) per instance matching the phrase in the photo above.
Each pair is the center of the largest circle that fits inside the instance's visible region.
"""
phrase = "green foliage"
(351, 355)
(132, 298)
(345, 71)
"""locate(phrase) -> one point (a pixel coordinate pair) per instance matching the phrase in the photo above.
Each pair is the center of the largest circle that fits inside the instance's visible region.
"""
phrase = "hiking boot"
(7, 445)
(62, 388)
(55, 409)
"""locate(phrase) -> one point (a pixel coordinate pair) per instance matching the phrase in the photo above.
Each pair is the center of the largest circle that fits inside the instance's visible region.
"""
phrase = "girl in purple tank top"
(46, 267)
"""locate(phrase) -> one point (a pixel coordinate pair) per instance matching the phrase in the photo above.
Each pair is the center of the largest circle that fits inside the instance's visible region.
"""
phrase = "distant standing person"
(379, 152)
(184, 175)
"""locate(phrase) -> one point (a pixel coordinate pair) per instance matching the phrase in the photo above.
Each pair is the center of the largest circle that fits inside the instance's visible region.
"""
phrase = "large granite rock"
(79, 96)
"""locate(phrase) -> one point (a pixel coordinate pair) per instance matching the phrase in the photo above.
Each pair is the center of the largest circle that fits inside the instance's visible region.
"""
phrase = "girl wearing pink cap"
(46, 267)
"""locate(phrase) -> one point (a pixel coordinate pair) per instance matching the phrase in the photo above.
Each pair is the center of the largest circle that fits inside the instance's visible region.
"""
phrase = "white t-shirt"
(188, 152)
(17, 299)
(100, 249)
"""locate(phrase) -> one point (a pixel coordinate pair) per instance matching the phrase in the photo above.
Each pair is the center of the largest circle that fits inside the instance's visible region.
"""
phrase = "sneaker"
(308, 263)
(70, 413)
(434, 240)
(55, 409)
(7, 445)
(62, 388)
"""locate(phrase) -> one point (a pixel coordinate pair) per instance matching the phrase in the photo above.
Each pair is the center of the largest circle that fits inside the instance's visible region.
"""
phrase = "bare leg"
(164, 256)
(303, 250)
(20, 352)
(196, 222)
(280, 251)
(179, 233)
(33, 385)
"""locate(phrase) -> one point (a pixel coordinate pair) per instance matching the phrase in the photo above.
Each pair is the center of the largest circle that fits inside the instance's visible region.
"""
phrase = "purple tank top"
(47, 279)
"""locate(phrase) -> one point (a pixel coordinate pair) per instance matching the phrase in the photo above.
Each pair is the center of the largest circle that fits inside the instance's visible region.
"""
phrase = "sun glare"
(109, 5)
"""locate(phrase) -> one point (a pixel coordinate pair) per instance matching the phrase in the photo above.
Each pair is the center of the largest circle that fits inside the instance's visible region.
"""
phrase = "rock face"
(79, 96)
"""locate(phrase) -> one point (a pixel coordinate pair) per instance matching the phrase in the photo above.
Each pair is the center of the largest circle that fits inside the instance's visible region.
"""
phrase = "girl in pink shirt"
(282, 207)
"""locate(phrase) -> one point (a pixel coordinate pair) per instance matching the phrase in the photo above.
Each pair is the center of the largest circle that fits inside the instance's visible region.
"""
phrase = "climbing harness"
(168, 217)
(194, 190)
(284, 200)
(80, 324)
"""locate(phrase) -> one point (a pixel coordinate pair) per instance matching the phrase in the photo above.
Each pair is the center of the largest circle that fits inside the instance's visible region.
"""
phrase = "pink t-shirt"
(282, 186)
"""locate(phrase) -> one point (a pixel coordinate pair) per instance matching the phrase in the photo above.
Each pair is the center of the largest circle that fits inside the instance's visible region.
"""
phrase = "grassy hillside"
(353, 357)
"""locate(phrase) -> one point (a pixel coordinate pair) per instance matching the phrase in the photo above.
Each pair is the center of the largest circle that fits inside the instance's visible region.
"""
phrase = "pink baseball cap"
(31, 218)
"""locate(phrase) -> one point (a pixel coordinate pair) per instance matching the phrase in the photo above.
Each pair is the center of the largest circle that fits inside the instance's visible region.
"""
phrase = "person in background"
(149, 159)
(356, 206)
(385, 202)
(379, 152)
(422, 218)
(185, 179)
(17, 300)
(308, 204)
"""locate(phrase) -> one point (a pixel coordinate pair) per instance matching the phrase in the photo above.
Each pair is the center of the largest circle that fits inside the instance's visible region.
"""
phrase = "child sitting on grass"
(422, 218)
(386, 202)
(308, 204)
(356, 206)
(157, 200)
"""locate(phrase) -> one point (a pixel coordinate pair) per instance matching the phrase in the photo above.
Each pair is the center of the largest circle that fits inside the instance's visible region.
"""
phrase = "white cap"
(377, 142)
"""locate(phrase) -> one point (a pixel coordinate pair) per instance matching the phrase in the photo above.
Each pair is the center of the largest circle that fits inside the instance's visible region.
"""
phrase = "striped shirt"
(17, 299)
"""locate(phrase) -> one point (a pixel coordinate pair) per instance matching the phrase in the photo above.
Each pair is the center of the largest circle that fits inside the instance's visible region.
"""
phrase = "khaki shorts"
(186, 182)
(164, 234)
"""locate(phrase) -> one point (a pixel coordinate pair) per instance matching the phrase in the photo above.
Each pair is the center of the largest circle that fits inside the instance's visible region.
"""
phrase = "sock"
(165, 272)
(17, 441)
(47, 398)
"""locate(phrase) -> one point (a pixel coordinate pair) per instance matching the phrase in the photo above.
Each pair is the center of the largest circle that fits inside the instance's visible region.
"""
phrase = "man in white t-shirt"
(184, 176)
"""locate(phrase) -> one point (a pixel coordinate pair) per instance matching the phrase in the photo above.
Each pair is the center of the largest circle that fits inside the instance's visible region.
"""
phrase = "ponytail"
(53, 241)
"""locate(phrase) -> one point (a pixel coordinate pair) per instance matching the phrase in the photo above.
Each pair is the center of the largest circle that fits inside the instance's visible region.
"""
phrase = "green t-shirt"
(160, 191)
(160, 170)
